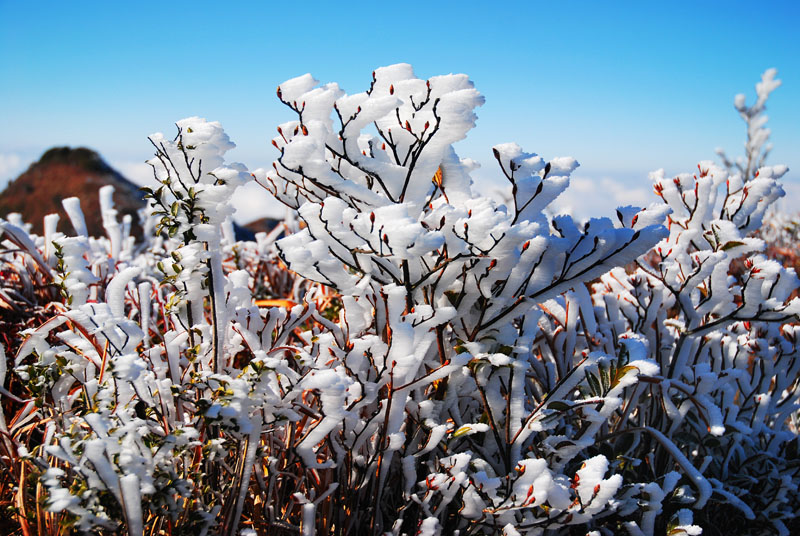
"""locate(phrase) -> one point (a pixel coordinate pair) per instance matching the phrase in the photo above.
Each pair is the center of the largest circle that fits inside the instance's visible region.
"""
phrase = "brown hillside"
(64, 172)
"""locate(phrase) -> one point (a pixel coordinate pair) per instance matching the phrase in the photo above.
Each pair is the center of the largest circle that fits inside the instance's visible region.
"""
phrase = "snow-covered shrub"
(721, 322)
(756, 146)
(134, 379)
(410, 357)
(434, 351)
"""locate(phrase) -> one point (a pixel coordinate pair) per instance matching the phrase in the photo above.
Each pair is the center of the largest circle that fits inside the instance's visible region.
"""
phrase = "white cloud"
(10, 167)
(253, 202)
(587, 198)
(789, 202)
(136, 172)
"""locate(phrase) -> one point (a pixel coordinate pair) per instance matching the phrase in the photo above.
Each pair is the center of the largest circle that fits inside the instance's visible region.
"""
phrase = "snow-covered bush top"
(409, 357)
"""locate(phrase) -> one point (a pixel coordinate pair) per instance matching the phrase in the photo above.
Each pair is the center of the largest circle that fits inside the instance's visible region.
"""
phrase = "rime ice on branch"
(430, 361)
(440, 290)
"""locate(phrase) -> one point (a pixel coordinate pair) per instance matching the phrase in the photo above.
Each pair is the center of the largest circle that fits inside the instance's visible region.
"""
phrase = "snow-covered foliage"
(756, 147)
(402, 355)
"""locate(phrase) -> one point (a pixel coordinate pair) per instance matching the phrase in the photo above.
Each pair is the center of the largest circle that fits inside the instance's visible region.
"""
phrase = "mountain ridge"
(80, 172)
(63, 172)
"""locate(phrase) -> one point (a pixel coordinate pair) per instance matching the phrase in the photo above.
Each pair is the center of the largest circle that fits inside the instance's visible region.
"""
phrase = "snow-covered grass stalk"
(401, 355)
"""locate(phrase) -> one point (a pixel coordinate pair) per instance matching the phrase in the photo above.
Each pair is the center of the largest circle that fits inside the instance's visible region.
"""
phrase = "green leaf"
(505, 349)
(605, 380)
(620, 373)
(463, 430)
(622, 358)
(594, 384)
(559, 405)
(732, 244)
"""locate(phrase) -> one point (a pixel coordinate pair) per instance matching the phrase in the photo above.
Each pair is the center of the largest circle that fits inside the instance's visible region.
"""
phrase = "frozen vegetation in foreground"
(400, 355)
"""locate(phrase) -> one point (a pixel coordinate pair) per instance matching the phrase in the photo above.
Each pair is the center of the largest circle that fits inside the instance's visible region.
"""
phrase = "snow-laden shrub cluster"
(409, 357)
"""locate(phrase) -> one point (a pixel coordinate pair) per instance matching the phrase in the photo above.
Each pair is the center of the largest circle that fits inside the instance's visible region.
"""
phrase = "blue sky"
(624, 87)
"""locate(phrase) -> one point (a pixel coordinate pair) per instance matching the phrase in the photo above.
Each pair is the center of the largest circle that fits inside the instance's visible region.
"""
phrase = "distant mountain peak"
(80, 172)
(63, 172)
(78, 156)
